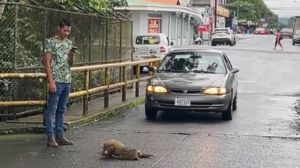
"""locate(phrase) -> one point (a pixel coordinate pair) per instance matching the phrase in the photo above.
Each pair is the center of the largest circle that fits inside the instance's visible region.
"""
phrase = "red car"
(262, 31)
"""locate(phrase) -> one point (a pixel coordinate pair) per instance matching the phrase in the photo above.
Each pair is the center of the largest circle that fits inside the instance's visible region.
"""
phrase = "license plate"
(182, 101)
(152, 51)
(141, 49)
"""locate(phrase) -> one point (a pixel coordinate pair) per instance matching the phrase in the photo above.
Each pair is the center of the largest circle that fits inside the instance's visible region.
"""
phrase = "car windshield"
(193, 62)
(147, 40)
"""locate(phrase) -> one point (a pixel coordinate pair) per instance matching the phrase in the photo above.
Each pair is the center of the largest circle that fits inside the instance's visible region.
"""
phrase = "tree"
(253, 10)
(291, 22)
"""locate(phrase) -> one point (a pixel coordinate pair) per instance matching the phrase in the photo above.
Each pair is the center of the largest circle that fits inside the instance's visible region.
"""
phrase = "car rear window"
(221, 31)
(260, 29)
(148, 40)
(193, 62)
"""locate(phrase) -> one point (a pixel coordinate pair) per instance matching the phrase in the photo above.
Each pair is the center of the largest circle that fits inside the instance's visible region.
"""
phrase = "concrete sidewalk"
(74, 117)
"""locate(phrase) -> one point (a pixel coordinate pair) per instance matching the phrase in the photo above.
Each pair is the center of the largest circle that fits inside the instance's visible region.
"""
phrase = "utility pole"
(216, 4)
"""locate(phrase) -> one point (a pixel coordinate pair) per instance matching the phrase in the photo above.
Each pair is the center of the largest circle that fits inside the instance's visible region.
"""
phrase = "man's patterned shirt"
(60, 66)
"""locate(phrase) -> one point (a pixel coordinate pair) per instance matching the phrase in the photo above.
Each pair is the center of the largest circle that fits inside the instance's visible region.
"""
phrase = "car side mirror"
(234, 70)
(152, 69)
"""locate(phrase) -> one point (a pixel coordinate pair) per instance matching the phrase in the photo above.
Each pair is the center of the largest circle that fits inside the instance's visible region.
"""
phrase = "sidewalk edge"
(85, 120)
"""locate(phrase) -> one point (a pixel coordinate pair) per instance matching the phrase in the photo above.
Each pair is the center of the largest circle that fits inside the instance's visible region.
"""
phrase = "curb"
(105, 114)
(85, 120)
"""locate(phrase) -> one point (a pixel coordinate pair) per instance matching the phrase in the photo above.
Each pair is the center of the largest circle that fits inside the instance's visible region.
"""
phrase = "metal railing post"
(86, 87)
(137, 84)
(124, 77)
(106, 92)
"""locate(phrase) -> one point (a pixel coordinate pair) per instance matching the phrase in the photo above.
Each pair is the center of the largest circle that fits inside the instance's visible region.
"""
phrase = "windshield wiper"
(202, 71)
(172, 70)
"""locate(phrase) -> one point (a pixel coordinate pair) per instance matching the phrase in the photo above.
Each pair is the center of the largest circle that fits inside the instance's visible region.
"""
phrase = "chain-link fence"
(23, 29)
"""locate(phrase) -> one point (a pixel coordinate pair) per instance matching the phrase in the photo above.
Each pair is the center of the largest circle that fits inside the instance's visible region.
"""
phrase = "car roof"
(221, 28)
(194, 48)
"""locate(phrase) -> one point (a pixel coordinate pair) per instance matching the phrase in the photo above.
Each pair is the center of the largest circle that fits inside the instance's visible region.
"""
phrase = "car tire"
(150, 113)
(227, 114)
(234, 105)
(294, 43)
(231, 43)
(213, 44)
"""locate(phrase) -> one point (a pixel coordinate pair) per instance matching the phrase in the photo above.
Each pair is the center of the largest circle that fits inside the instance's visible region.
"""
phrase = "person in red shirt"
(278, 39)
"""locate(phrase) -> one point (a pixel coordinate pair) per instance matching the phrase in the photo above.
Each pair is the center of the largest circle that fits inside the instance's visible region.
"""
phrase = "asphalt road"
(264, 132)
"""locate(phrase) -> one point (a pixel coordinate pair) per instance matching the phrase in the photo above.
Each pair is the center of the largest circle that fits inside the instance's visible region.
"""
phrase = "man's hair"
(64, 23)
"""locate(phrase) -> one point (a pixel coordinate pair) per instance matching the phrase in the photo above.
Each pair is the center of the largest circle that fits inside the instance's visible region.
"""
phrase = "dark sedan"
(191, 79)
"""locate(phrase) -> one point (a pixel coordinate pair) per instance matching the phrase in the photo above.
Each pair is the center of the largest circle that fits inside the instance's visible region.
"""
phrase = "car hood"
(189, 80)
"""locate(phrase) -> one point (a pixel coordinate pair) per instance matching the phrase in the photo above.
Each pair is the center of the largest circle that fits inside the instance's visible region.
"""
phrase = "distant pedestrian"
(198, 41)
(58, 57)
(278, 40)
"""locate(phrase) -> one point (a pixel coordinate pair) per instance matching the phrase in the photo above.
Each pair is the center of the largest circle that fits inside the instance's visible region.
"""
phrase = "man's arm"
(48, 71)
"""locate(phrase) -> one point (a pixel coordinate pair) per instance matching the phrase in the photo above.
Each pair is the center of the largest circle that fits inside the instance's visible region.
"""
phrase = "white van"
(150, 45)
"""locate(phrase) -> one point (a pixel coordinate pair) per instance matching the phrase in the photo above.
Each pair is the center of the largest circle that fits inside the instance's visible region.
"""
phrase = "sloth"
(117, 150)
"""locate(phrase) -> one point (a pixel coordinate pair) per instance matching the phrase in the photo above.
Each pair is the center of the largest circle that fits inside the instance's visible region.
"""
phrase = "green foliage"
(100, 5)
(253, 10)
(291, 22)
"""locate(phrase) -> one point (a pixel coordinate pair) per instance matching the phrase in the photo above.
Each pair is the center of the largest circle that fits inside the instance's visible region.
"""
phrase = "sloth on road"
(117, 150)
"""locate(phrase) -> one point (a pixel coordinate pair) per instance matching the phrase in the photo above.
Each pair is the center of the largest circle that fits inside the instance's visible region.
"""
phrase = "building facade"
(171, 17)
(222, 12)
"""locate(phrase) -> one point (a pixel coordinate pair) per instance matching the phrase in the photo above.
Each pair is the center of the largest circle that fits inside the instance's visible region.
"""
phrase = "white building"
(222, 12)
(178, 22)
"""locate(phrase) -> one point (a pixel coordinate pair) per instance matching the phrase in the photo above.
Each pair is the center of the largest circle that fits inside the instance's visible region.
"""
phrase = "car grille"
(183, 91)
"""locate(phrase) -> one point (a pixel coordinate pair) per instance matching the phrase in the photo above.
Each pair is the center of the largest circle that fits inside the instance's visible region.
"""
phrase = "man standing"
(58, 57)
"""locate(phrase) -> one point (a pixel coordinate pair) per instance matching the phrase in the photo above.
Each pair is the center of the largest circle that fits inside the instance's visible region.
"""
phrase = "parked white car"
(223, 36)
(150, 45)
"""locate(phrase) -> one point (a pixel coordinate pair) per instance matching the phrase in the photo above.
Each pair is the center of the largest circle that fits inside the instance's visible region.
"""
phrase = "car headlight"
(156, 89)
(214, 91)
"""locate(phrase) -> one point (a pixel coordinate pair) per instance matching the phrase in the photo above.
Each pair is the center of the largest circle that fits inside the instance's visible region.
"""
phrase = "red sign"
(154, 25)
(203, 28)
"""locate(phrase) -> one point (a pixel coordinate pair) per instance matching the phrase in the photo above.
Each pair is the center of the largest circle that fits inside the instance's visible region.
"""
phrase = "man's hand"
(71, 57)
(52, 87)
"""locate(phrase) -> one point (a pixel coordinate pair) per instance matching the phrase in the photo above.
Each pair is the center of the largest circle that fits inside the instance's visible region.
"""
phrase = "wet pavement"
(264, 132)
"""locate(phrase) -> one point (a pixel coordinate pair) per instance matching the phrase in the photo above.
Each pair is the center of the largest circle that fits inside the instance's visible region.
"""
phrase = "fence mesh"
(23, 29)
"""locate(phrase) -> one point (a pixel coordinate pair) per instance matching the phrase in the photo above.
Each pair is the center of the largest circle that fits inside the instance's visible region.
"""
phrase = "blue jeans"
(56, 107)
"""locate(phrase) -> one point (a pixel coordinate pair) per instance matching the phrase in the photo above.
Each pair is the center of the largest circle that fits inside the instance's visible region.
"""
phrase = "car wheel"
(213, 44)
(231, 43)
(294, 43)
(150, 113)
(234, 105)
(227, 114)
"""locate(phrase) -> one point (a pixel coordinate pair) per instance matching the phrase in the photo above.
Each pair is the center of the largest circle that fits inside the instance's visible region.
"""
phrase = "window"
(193, 62)
(148, 40)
